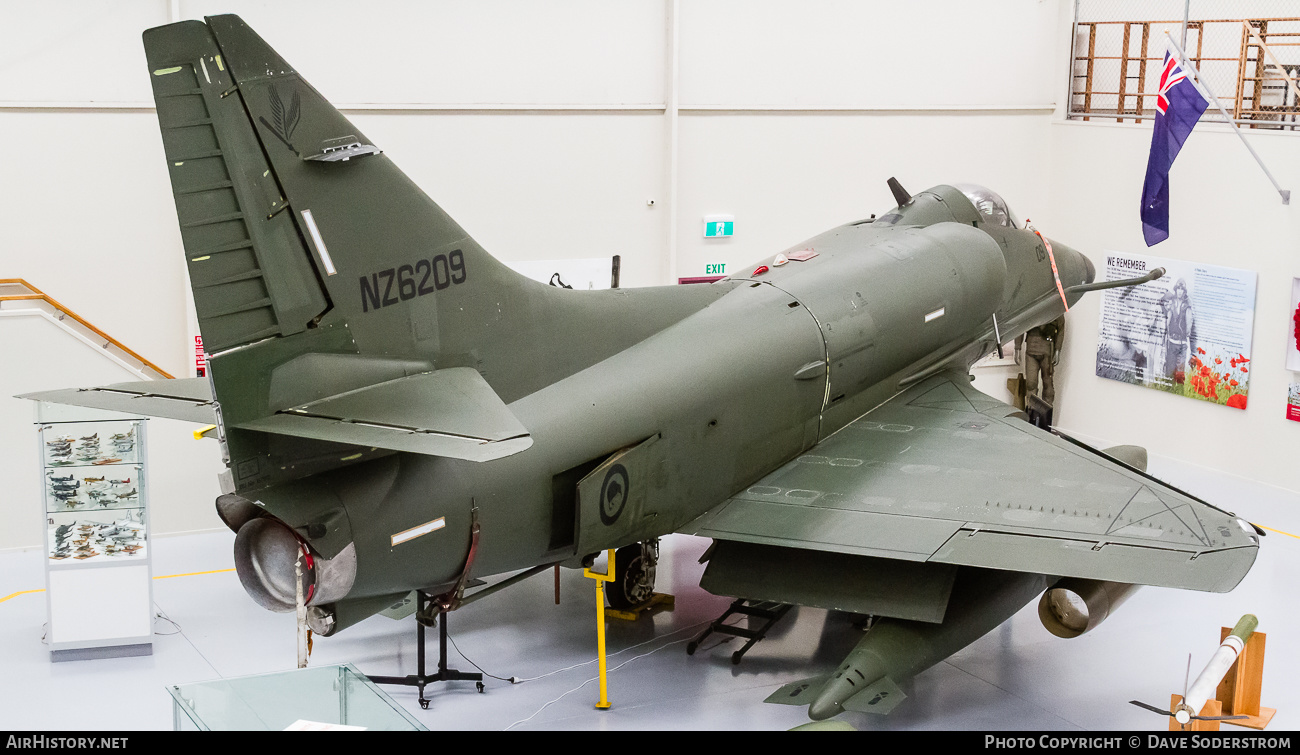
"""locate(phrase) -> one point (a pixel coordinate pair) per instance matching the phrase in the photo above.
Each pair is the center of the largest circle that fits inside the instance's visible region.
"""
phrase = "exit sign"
(719, 226)
(718, 269)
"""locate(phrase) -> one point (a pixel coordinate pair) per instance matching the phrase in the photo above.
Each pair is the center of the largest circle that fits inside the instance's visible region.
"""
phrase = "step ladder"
(769, 610)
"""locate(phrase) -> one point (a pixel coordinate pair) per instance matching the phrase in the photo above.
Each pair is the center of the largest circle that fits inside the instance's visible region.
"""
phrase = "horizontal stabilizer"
(879, 698)
(187, 399)
(451, 412)
(802, 692)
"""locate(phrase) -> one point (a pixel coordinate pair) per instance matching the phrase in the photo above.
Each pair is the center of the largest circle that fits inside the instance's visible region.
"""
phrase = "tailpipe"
(1076, 606)
(266, 552)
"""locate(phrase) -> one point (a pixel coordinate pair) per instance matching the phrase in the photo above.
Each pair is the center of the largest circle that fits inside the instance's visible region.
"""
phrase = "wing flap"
(1211, 571)
(187, 399)
(758, 516)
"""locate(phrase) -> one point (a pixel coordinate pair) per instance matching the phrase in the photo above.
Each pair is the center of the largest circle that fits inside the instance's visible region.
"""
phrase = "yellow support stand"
(608, 576)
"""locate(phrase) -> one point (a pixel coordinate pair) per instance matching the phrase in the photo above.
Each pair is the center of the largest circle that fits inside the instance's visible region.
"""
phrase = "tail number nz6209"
(398, 284)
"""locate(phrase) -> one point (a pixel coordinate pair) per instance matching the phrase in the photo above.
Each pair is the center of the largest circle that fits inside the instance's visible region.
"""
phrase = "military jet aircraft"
(398, 406)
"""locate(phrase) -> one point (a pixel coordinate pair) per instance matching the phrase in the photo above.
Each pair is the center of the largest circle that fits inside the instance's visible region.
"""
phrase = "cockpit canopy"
(989, 204)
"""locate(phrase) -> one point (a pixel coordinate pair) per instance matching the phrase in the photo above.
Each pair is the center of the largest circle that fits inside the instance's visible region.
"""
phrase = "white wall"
(545, 128)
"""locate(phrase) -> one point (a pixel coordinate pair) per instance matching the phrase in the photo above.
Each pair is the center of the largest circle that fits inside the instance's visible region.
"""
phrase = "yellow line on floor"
(195, 573)
(20, 592)
(1280, 532)
(161, 576)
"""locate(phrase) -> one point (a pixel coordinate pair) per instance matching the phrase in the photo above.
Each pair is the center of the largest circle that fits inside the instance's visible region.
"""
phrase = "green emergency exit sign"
(719, 226)
(718, 269)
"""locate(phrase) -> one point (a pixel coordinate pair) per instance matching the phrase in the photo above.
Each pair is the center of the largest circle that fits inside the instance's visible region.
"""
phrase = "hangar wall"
(1223, 211)
(545, 129)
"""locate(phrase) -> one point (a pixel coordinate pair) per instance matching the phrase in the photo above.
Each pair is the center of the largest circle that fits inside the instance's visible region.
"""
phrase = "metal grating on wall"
(1248, 53)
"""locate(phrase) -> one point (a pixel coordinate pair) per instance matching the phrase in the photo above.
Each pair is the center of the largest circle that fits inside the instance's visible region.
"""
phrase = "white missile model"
(1200, 692)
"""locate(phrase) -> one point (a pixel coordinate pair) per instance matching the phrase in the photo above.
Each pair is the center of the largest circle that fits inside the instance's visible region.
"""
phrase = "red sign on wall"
(200, 359)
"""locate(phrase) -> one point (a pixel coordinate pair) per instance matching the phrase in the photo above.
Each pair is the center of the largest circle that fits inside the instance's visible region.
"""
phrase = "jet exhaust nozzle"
(1073, 606)
(266, 551)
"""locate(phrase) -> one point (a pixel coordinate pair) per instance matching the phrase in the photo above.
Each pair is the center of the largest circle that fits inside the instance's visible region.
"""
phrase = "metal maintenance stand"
(770, 611)
(420, 680)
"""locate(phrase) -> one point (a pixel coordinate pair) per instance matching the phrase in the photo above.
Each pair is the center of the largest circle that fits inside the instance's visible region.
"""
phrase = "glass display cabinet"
(97, 566)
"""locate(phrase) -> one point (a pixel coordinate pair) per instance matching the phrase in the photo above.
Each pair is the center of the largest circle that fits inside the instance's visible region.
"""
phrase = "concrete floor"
(1016, 677)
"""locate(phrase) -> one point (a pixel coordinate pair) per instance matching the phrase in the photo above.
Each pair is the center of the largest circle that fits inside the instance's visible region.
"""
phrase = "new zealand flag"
(1178, 107)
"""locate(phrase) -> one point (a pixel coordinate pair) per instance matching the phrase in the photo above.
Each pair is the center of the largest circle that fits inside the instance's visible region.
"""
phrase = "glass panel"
(272, 702)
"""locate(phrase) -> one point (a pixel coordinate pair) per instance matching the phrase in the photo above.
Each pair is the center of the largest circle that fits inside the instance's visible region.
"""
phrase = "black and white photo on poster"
(1187, 333)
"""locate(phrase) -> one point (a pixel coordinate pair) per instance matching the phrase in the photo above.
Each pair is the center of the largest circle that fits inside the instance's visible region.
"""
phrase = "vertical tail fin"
(250, 270)
(320, 269)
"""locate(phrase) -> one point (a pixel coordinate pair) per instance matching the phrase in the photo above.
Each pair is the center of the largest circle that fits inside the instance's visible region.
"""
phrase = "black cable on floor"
(512, 679)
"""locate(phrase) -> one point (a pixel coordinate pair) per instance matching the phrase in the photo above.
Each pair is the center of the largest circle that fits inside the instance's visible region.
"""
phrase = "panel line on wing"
(1114, 524)
(945, 395)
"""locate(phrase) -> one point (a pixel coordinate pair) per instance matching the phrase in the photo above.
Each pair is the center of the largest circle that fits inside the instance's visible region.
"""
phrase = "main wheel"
(634, 580)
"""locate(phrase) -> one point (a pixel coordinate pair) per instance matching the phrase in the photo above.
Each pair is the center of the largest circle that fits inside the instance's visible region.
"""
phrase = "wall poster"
(1293, 402)
(1187, 333)
(1293, 329)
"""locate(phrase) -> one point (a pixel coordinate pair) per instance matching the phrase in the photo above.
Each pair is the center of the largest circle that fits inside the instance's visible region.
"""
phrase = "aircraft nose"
(1075, 268)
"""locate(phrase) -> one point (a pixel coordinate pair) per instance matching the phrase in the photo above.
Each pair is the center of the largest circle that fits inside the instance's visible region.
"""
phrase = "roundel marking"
(613, 494)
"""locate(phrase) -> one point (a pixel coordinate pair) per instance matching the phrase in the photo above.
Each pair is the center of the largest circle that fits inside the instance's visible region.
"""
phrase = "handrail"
(38, 294)
(1285, 74)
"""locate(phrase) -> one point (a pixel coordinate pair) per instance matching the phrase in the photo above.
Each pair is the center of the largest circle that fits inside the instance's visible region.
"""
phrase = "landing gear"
(634, 575)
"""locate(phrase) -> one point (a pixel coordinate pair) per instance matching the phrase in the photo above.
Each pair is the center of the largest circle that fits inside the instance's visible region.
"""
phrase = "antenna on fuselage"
(900, 194)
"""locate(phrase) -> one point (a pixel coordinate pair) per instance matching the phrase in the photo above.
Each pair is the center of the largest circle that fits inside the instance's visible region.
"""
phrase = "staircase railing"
(17, 295)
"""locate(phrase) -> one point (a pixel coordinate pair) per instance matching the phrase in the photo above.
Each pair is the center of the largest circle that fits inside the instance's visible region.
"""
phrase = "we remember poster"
(1187, 333)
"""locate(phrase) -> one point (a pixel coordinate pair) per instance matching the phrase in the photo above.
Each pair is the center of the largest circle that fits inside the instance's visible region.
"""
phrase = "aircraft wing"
(944, 474)
(188, 399)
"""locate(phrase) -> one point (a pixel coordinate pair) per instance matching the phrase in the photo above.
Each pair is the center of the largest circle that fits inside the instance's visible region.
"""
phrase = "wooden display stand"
(1238, 693)
(1240, 689)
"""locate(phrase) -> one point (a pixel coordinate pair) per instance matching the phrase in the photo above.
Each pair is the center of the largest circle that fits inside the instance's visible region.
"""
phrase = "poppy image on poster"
(1187, 333)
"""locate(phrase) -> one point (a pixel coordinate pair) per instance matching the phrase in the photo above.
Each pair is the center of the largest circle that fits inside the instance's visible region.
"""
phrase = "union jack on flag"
(1179, 106)
(1171, 74)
